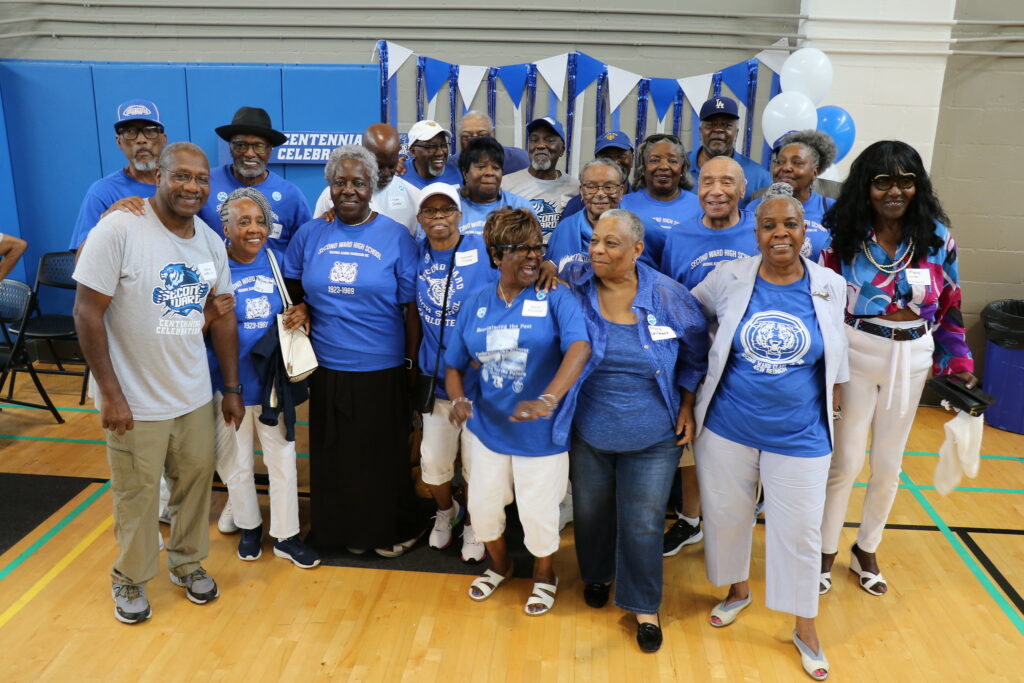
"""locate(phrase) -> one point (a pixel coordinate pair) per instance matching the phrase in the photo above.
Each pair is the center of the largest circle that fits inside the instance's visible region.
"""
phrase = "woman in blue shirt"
(529, 346)
(246, 215)
(480, 163)
(357, 274)
(765, 411)
(634, 412)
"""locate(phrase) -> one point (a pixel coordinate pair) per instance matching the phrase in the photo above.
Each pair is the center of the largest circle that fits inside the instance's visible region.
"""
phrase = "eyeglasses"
(185, 178)
(433, 148)
(523, 250)
(132, 132)
(240, 147)
(594, 188)
(884, 182)
(446, 212)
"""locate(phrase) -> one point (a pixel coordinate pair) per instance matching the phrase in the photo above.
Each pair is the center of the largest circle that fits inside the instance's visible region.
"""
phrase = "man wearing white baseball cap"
(429, 146)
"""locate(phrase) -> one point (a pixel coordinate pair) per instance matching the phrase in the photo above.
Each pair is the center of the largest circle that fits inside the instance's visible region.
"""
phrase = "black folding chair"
(55, 270)
(15, 306)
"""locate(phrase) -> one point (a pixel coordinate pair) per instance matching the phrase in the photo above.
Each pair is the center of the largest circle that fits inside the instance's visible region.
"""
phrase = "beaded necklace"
(896, 266)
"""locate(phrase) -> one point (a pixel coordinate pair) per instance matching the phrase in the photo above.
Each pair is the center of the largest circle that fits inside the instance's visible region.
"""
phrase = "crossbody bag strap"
(444, 306)
(285, 299)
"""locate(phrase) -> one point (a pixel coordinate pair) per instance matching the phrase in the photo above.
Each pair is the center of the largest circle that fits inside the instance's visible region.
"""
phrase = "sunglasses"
(523, 250)
(884, 182)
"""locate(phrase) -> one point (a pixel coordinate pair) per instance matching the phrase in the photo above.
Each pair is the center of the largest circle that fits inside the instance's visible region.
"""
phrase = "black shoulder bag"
(426, 385)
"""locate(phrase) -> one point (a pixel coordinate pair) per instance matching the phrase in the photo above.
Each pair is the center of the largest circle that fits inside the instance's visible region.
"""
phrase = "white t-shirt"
(159, 284)
(398, 201)
(548, 197)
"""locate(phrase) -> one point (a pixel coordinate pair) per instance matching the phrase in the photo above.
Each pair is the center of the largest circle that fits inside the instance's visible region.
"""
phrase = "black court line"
(993, 571)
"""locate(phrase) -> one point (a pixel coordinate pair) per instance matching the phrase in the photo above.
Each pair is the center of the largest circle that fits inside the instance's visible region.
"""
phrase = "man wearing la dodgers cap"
(614, 145)
(719, 118)
(140, 135)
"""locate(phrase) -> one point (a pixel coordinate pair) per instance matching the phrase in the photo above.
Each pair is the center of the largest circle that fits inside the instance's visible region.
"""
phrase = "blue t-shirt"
(666, 215)
(99, 198)
(693, 249)
(814, 210)
(286, 201)
(451, 175)
(475, 215)
(257, 303)
(755, 174)
(771, 395)
(356, 279)
(471, 272)
(520, 348)
(516, 159)
(620, 406)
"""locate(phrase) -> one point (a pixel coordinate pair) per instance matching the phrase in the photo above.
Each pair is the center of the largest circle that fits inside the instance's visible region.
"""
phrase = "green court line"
(42, 540)
(965, 555)
(59, 408)
(19, 437)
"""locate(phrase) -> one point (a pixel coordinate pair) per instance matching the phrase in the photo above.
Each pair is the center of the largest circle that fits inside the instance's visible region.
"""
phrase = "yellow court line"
(57, 569)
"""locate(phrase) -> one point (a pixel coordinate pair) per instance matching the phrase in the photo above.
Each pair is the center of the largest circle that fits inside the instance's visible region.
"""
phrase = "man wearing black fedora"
(252, 138)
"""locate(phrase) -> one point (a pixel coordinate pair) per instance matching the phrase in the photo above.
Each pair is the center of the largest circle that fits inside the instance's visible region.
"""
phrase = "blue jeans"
(618, 507)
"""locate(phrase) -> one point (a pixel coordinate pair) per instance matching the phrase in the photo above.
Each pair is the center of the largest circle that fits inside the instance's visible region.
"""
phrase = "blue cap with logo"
(719, 105)
(137, 110)
(549, 122)
(779, 140)
(613, 138)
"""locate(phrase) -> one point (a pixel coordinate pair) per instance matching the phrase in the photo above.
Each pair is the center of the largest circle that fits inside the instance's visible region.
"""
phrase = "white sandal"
(727, 614)
(812, 661)
(824, 583)
(487, 583)
(867, 580)
(543, 595)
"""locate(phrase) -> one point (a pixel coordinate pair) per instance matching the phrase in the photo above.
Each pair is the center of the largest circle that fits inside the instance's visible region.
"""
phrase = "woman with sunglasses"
(529, 346)
(890, 242)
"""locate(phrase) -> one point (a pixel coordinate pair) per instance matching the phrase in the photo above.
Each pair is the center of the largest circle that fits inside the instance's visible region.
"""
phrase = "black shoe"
(596, 594)
(681, 534)
(648, 637)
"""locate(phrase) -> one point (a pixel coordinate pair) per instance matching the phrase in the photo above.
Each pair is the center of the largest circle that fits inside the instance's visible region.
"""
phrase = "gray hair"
(352, 153)
(170, 150)
(632, 221)
(783, 191)
(478, 114)
(602, 161)
(247, 193)
(820, 145)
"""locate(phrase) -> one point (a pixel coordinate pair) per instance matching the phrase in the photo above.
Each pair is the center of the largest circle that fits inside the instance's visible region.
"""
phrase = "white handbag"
(296, 349)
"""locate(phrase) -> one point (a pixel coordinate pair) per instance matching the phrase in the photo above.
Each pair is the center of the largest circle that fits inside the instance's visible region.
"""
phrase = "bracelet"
(549, 400)
(461, 399)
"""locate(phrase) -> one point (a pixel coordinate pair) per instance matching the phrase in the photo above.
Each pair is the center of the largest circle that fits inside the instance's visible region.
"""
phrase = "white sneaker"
(226, 522)
(165, 516)
(399, 548)
(444, 522)
(473, 551)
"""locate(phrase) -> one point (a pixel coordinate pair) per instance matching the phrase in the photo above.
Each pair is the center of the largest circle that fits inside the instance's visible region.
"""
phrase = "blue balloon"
(838, 123)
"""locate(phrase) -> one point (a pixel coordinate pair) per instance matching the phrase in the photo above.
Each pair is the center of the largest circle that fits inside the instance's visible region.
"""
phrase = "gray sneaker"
(199, 586)
(130, 603)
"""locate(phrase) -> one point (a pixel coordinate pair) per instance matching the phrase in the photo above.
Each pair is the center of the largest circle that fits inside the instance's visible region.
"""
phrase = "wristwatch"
(237, 389)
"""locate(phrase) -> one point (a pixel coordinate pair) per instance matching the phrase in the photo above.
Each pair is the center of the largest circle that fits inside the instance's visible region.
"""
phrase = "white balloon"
(785, 112)
(807, 71)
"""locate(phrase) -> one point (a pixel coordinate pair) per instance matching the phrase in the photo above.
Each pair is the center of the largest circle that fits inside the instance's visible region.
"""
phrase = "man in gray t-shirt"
(143, 284)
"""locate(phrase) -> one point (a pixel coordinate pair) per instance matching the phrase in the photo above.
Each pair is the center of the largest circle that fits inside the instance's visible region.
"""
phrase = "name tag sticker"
(659, 332)
(208, 271)
(918, 276)
(535, 309)
(396, 202)
(275, 231)
(466, 258)
(263, 284)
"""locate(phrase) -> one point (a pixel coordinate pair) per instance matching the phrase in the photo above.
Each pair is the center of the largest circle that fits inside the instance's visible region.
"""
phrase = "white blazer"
(724, 295)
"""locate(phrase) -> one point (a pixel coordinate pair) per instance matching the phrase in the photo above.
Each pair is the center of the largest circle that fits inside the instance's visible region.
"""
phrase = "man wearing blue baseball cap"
(547, 188)
(613, 145)
(719, 125)
(140, 135)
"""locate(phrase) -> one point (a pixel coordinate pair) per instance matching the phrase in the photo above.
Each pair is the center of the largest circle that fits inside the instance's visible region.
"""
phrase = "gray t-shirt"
(159, 283)
(548, 197)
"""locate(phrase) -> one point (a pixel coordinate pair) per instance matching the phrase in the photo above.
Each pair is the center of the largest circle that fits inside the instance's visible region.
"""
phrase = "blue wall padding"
(9, 223)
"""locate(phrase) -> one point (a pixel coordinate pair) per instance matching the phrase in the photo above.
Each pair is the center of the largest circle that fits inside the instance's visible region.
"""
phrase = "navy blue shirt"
(693, 249)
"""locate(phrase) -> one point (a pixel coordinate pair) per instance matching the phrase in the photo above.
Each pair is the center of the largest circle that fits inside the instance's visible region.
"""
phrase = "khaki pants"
(183, 448)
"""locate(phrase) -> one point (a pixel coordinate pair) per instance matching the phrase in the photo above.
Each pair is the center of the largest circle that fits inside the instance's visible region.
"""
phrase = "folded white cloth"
(960, 452)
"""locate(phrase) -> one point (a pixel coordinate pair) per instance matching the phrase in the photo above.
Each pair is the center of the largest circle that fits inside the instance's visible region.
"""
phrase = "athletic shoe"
(250, 544)
(165, 516)
(398, 548)
(130, 603)
(444, 522)
(298, 552)
(160, 540)
(681, 534)
(199, 586)
(226, 521)
(473, 551)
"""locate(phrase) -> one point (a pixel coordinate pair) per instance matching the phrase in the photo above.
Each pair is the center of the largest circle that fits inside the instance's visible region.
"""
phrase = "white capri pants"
(537, 484)
(886, 380)
(440, 445)
(235, 467)
(794, 496)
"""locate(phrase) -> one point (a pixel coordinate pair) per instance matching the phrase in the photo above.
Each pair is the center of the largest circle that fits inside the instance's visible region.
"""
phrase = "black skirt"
(360, 485)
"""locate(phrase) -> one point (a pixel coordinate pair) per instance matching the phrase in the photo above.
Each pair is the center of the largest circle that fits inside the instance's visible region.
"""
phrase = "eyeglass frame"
(241, 147)
(124, 130)
(182, 178)
(527, 249)
(430, 212)
(904, 181)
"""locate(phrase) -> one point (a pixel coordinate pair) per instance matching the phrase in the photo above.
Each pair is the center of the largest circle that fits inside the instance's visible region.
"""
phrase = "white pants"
(235, 467)
(537, 484)
(440, 445)
(794, 496)
(886, 379)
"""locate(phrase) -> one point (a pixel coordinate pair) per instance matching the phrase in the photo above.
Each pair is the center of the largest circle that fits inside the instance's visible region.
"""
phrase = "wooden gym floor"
(954, 610)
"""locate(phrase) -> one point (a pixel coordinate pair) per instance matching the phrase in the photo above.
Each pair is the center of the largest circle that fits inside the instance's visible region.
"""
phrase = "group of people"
(601, 330)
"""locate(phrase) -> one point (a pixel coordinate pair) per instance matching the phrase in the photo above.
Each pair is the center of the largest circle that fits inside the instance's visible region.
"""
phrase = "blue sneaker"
(250, 544)
(298, 552)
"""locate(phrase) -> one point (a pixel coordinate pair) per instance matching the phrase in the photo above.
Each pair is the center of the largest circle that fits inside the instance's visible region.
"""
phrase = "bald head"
(719, 188)
(383, 142)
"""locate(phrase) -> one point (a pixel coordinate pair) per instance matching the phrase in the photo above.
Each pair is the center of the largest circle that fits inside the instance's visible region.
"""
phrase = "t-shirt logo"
(546, 214)
(435, 289)
(344, 272)
(257, 307)
(276, 195)
(183, 291)
(773, 340)
(221, 196)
